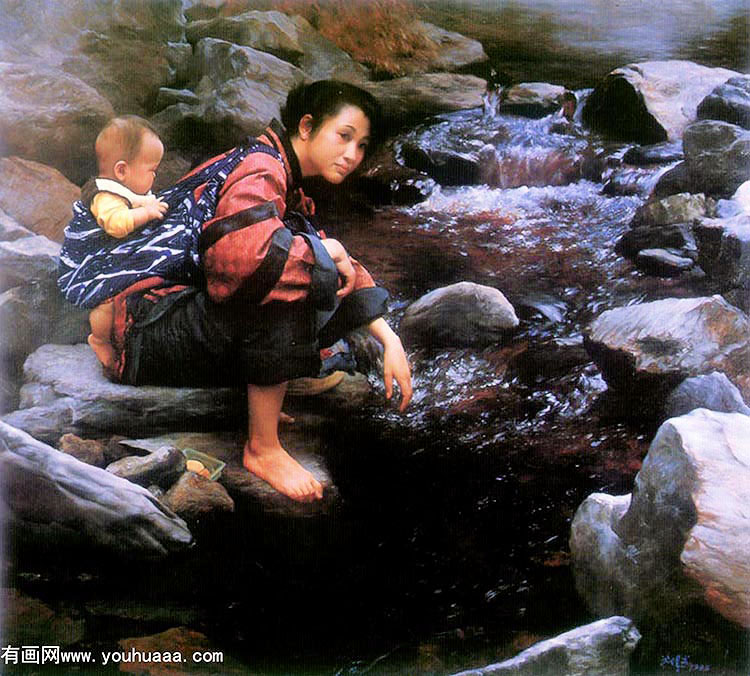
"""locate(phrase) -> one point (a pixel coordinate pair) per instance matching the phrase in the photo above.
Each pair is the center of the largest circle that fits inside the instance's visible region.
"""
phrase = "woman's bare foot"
(285, 418)
(275, 466)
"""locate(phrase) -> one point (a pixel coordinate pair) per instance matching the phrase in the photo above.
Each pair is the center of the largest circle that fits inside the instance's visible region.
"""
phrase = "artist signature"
(682, 663)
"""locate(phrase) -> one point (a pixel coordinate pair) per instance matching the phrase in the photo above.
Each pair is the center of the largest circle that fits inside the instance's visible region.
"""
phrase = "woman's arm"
(395, 363)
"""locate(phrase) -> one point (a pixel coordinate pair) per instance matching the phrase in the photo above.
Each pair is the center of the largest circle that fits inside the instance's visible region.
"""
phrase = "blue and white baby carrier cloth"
(95, 266)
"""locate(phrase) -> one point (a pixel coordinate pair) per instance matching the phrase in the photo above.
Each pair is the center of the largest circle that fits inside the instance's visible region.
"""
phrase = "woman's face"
(336, 148)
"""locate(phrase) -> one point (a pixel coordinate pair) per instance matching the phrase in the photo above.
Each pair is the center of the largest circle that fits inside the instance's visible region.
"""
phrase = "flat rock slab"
(602, 647)
(67, 392)
(54, 502)
(658, 344)
(300, 438)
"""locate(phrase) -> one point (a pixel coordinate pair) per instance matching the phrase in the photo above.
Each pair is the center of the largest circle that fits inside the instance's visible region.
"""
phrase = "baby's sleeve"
(113, 214)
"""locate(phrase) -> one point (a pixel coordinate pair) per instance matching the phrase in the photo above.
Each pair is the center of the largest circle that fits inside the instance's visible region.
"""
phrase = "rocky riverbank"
(92, 469)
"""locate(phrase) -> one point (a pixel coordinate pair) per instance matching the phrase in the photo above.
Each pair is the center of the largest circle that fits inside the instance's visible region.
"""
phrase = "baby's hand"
(155, 208)
(343, 265)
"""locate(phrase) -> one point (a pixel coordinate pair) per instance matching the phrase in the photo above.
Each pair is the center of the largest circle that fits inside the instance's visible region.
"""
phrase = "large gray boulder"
(459, 315)
(717, 157)
(729, 102)
(684, 534)
(654, 346)
(51, 117)
(416, 97)
(54, 502)
(66, 392)
(602, 647)
(240, 90)
(453, 51)
(531, 99)
(125, 50)
(724, 249)
(713, 391)
(289, 38)
(653, 101)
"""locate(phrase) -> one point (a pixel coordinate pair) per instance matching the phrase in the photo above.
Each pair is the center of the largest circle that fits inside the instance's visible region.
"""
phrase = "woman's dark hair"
(324, 99)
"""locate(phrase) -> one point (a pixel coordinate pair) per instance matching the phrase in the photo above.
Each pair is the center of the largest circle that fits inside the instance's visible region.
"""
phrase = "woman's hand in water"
(395, 363)
(343, 265)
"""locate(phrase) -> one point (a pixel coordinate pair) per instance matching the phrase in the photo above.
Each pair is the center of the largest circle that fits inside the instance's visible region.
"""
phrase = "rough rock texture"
(66, 391)
(26, 260)
(54, 501)
(160, 467)
(36, 196)
(463, 314)
(653, 101)
(90, 451)
(679, 208)
(240, 89)
(656, 345)
(676, 236)
(663, 262)
(289, 38)
(454, 51)
(729, 102)
(193, 497)
(602, 647)
(685, 533)
(416, 97)
(532, 99)
(713, 391)
(657, 153)
(717, 157)
(50, 116)
(27, 621)
(724, 248)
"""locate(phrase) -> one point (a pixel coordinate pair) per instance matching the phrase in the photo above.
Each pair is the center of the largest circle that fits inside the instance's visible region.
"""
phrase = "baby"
(128, 153)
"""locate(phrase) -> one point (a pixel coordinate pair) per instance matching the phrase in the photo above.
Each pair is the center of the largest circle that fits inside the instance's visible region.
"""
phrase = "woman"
(275, 291)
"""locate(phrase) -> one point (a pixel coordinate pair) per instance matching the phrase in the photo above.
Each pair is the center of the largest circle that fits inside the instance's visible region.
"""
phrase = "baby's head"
(128, 150)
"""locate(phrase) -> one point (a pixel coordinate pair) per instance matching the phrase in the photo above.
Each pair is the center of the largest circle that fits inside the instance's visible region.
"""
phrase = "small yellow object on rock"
(197, 467)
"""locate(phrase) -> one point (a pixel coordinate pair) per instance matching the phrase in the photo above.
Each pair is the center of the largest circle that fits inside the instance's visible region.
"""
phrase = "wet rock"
(531, 99)
(303, 441)
(382, 180)
(677, 236)
(66, 391)
(160, 467)
(679, 208)
(657, 153)
(51, 117)
(194, 496)
(682, 537)
(729, 102)
(37, 196)
(653, 101)
(445, 166)
(717, 157)
(658, 344)
(56, 503)
(28, 621)
(415, 98)
(602, 647)
(674, 180)
(463, 314)
(28, 259)
(171, 652)
(663, 262)
(738, 204)
(289, 38)
(713, 391)
(89, 451)
(169, 97)
(724, 250)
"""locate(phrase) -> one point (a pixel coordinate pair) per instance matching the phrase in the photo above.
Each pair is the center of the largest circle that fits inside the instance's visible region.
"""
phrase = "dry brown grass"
(382, 34)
